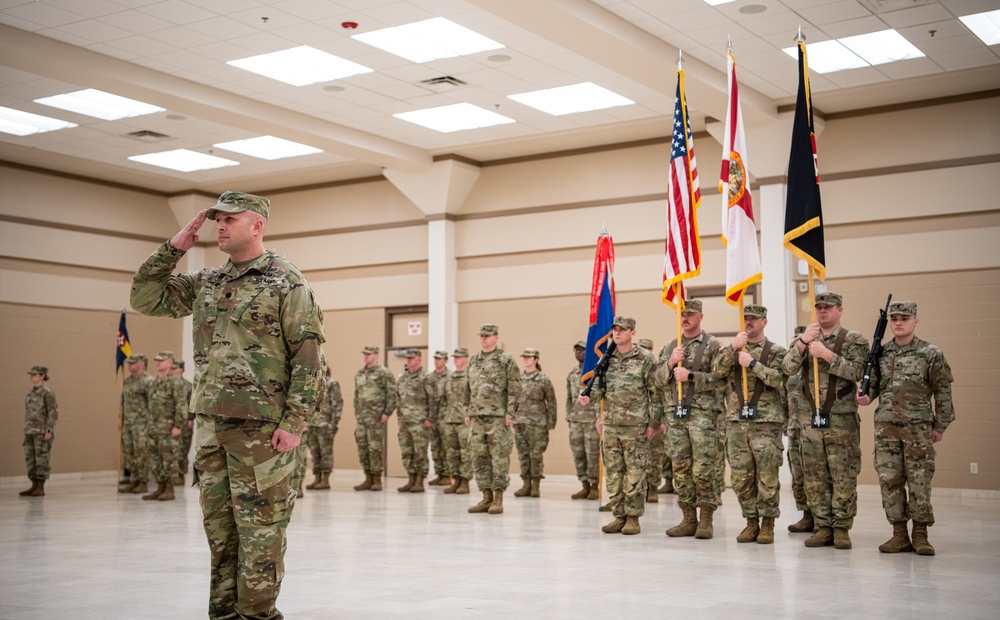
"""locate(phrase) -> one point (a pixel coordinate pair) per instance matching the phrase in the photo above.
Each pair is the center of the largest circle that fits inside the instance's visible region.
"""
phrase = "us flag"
(682, 257)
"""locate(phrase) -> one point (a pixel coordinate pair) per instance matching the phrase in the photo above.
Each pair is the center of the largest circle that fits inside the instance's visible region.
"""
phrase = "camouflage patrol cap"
(530, 352)
(133, 359)
(410, 353)
(625, 322)
(40, 370)
(580, 345)
(757, 311)
(460, 352)
(692, 306)
(646, 343)
(164, 355)
(440, 355)
(829, 298)
(369, 349)
(238, 202)
(799, 330)
(179, 364)
(489, 329)
(142, 358)
(908, 308)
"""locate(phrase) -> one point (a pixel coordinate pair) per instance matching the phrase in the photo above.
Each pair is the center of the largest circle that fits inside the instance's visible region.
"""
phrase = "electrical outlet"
(973, 468)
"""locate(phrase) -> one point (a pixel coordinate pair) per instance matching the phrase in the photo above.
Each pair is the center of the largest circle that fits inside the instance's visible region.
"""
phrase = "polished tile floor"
(83, 552)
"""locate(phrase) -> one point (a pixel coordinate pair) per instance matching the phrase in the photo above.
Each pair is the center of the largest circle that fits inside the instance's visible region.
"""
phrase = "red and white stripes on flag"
(682, 256)
(739, 231)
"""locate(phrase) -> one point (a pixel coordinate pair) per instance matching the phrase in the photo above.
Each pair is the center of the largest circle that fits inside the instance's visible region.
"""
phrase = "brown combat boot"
(805, 524)
(40, 492)
(525, 489)
(454, 486)
(168, 492)
(177, 480)
(822, 537)
(129, 487)
(484, 504)
(766, 536)
(651, 494)
(841, 539)
(323, 484)
(27, 492)
(920, 543)
(142, 487)
(316, 481)
(463, 486)
(155, 494)
(615, 527)
(376, 481)
(594, 491)
(900, 541)
(367, 484)
(750, 532)
(418, 485)
(668, 486)
(536, 484)
(582, 493)
(409, 485)
(497, 506)
(606, 508)
(631, 526)
(705, 529)
(688, 525)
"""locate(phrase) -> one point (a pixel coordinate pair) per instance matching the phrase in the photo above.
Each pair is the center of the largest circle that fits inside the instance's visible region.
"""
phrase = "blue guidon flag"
(124, 348)
(602, 304)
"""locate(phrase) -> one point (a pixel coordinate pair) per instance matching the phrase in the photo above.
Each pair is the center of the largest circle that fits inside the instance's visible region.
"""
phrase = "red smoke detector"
(349, 25)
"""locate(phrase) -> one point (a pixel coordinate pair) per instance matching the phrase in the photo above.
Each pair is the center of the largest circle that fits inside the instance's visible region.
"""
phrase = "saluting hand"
(185, 239)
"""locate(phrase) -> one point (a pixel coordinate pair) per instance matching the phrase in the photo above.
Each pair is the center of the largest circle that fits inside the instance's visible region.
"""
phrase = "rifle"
(600, 369)
(871, 364)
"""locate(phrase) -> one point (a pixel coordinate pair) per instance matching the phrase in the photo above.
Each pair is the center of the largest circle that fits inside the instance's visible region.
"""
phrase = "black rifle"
(871, 364)
(600, 370)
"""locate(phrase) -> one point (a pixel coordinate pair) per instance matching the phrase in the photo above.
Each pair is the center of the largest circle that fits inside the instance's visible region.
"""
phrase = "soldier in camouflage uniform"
(417, 396)
(168, 412)
(584, 440)
(322, 431)
(911, 373)
(798, 418)
(536, 416)
(692, 430)
(135, 427)
(632, 414)
(40, 415)
(374, 401)
(257, 337)
(437, 379)
(494, 390)
(453, 409)
(757, 417)
(187, 431)
(831, 457)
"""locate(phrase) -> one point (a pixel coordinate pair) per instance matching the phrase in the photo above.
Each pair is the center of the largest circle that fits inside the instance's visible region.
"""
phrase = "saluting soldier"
(40, 415)
(375, 399)
(536, 417)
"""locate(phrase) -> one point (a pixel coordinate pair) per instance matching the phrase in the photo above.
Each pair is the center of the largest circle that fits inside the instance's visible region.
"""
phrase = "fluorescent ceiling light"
(828, 56)
(986, 26)
(457, 117)
(300, 66)
(878, 48)
(430, 39)
(569, 99)
(184, 160)
(25, 123)
(268, 147)
(717, 2)
(99, 104)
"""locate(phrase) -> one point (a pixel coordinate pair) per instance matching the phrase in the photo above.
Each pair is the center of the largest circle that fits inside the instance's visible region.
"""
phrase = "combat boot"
(168, 492)
(668, 486)
(440, 481)
(324, 482)
(651, 494)
(766, 536)
(376, 481)
(615, 527)
(536, 484)
(142, 487)
(525, 489)
(900, 541)
(463, 486)
(299, 492)
(582, 493)
(841, 539)
(484, 504)
(155, 494)
(454, 486)
(40, 492)
(688, 525)
(920, 543)
(27, 492)
(366, 485)
(594, 491)
(805, 524)
(129, 487)
(316, 481)
(497, 506)
(605, 508)
(822, 537)
(409, 485)
(631, 526)
(750, 532)
(177, 480)
(418, 485)
(705, 529)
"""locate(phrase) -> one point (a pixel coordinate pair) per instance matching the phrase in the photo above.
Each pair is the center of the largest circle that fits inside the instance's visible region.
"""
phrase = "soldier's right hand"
(583, 400)
(676, 356)
(185, 239)
(739, 341)
(384, 418)
(862, 400)
(811, 333)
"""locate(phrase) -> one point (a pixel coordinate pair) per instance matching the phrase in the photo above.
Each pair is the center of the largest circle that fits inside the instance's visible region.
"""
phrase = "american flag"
(682, 257)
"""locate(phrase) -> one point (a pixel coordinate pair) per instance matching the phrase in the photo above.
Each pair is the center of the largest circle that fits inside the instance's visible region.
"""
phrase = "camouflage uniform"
(494, 389)
(584, 441)
(168, 409)
(187, 430)
(536, 416)
(40, 415)
(257, 338)
(453, 409)
(831, 457)
(416, 397)
(437, 380)
(323, 428)
(798, 418)
(374, 397)
(135, 430)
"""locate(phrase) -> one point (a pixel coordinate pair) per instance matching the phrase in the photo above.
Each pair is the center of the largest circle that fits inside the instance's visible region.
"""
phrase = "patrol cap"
(530, 352)
(691, 306)
(238, 202)
(460, 352)
(133, 359)
(830, 298)
(410, 353)
(40, 370)
(646, 343)
(580, 345)
(489, 329)
(757, 311)
(164, 355)
(369, 349)
(440, 355)
(142, 358)
(625, 322)
(908, 308)
(179, 364)
(799, 330)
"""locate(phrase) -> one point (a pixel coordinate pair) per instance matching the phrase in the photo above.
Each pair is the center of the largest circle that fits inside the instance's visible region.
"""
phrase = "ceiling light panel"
(184, 160)
(21, 123)
(583, 97)
(828, 56)
(300, 66)
(878, 48)
(99, 104)
(427, 40)
(457, 117)
(986, 26)
(268, 147)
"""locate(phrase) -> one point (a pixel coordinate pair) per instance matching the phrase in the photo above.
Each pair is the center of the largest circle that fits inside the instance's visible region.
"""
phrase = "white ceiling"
(173, 53)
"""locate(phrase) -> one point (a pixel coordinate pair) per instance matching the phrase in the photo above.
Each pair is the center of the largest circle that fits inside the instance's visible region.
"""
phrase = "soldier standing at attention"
(798, 418)
(831, 457)
(584, 440)
(494, 389)
(322, 431)
(657, 446)
(911, 373)
(374, 401)
(40, 415)
(756, 422)
(187, 431)
(692, 422)
(257, 337)
(536, 416)
(454, 407)
(168, 412)
(135, 430)
(417, 396)
(631, 417)
(437, 379)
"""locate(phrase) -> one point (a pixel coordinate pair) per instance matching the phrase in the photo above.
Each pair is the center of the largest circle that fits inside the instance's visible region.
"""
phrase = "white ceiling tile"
(923, 14)
(177, 11)
(139, 46)
(223, 28)
(830, 12)
(309, 8)
(23, 24)
(228, 7)
(306, 33)
(219, 51)
(851, 27)
(180, 37)
(966, 59)
(183, 60)
(94, 31)
(913, 67)
(968, 7)
(93, 8)
(950, 28)
(135, 22)
(65, 37)
(262, 43)
(937, 45)
(275, 19)
(698, 18)
(785, 25)
(44, 14)
(399, 13)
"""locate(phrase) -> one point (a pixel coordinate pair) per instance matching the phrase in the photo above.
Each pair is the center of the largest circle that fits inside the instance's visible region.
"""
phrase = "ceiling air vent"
(443, 82)
(147, 136)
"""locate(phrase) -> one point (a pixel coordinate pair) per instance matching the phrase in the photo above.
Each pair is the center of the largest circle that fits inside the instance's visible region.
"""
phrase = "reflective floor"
(84, 552)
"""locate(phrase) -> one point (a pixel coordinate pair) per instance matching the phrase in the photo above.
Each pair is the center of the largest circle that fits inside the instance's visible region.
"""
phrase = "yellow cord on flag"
(743, 328)
(680, 334)
(813, 319)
